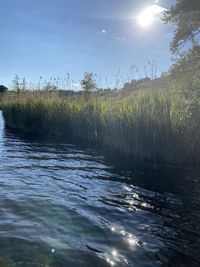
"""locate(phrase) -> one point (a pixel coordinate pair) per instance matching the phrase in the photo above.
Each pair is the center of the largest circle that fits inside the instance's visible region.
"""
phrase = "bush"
(3, 89)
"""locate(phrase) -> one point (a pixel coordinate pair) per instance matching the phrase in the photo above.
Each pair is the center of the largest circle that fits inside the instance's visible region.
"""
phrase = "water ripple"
(64, 206)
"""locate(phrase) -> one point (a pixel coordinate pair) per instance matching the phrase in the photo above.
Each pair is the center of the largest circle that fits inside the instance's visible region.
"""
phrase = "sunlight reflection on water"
(64, 206)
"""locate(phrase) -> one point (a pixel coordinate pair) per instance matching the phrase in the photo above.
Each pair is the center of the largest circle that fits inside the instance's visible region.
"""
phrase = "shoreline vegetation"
(149, 119)
(157, 121)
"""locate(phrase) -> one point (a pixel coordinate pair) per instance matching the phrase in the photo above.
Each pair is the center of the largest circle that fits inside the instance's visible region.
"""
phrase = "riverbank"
(155, 125)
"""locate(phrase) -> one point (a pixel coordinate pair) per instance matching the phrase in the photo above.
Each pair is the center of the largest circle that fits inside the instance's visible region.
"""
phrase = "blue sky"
(54, 37)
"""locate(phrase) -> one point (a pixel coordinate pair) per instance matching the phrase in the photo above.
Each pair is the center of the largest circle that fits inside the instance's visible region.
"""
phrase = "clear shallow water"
(65, 206)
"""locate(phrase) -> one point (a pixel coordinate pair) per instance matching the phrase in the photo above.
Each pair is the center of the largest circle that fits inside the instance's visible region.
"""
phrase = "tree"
(16, 84)
(3, 89)
(187, 62)
(185, 14)
(88, 83)
(23, 84)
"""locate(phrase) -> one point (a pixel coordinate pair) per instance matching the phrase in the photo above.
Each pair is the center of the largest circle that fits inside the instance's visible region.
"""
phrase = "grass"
(161, 124)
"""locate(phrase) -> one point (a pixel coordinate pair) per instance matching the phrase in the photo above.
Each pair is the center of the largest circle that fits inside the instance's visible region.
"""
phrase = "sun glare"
(147, 16)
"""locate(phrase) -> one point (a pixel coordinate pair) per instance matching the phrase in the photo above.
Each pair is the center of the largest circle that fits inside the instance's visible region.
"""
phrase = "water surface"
(62, 205)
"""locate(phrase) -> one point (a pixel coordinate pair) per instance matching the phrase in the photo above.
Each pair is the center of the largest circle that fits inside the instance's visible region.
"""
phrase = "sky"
(50, 38)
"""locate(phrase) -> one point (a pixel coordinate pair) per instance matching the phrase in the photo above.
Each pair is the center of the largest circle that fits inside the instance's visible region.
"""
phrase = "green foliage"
(88, 83)
(3, 89)
(156, 125)
(23, 84)
(133, 84)
(16, 84)
(185, 14)
(187, 62)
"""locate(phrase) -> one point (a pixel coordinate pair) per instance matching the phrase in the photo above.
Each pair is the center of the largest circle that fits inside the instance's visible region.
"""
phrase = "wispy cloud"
(121, 39)
(76, 85)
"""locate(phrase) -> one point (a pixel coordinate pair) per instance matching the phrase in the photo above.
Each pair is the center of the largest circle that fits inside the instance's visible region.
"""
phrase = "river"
(64, 205)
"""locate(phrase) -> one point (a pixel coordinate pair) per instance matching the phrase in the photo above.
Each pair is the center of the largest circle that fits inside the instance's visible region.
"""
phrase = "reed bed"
(155, 125)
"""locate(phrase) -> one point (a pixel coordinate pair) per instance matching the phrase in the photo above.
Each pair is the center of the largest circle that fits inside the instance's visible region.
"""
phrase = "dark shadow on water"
(168, 196)
(160, 177)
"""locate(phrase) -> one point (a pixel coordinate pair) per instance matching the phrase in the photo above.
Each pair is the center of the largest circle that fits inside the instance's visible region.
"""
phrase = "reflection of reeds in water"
(4, 262)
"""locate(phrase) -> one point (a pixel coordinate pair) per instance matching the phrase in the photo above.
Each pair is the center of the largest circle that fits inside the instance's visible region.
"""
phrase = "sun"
(146, 17)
